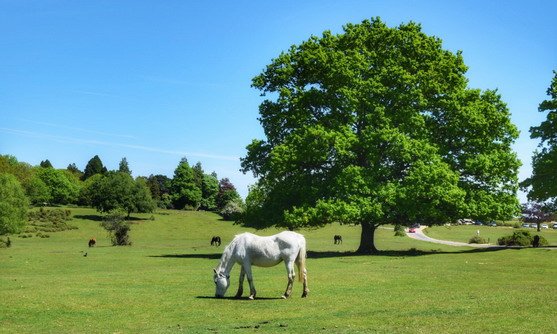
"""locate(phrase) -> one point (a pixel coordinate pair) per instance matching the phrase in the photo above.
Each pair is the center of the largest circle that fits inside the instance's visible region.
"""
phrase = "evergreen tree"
(94, 166)
(46, 164)
(209, 192)
(186, 194)
(72, 168)
(124, 167)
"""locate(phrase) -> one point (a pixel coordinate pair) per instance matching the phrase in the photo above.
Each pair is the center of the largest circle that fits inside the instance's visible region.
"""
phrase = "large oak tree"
(377, 125)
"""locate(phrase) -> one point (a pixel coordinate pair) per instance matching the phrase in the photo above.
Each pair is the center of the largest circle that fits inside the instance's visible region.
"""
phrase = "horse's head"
(222, 282)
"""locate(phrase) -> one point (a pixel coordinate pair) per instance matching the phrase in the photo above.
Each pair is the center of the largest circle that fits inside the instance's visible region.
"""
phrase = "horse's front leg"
(247, 268)
(241, 285)
(291, 275)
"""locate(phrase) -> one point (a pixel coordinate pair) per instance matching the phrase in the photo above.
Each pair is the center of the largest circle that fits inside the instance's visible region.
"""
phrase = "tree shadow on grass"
(214, 256)
(337, 254)
(100, 218)
(401, 253)
(97, 218)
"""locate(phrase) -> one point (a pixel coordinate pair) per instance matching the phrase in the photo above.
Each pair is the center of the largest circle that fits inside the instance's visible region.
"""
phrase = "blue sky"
(154, 81)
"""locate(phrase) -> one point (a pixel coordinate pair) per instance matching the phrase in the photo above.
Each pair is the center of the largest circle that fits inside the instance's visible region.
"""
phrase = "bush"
(49, 220)
(399, 231)
(477, 240)
(232, 210)
(5, 243)
(118, 229)
(521, 238)
(543, 241)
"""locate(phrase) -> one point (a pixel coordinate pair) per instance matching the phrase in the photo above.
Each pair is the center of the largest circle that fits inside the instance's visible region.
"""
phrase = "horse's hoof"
(251, 297)
(284, 297)
(304, 295)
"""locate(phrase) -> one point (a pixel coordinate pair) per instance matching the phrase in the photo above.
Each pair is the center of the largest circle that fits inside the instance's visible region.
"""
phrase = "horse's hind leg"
(291, 275)
(241, 285)
(305, 278)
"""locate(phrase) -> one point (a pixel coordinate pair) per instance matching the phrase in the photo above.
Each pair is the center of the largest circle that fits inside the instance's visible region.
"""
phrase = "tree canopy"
(119, 191)
(184, 186)
(13, 205)
(542, 185)
(374, 126)
(94, 166)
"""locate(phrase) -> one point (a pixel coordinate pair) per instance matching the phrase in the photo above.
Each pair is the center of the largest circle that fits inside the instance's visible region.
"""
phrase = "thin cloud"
(173, 81)
(77, 141)
(87, 92)
(61, 126)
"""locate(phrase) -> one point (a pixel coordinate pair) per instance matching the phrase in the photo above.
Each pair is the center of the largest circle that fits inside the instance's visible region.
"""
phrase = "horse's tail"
(302, 254)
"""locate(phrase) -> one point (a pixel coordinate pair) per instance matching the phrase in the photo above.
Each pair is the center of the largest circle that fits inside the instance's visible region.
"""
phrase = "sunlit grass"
(464, 233)
(162, 284)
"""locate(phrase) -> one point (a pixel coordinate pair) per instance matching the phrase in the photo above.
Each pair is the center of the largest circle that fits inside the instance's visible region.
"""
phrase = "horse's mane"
(231, 249)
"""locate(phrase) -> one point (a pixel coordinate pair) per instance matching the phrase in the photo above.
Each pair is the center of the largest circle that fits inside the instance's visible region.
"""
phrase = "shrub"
(542, 242)
(118, 229)
(518, 238)
(232, 210)
(49, 220)
(5, 243)
(399, 231)
(477, 240)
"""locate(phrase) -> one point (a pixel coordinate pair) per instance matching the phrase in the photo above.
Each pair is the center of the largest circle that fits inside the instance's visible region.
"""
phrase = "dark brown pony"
(92, 242)
(337, 239)
(215, 241)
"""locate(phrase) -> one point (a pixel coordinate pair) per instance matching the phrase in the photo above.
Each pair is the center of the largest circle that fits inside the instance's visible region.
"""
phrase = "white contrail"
(79, 129)
(70, 140)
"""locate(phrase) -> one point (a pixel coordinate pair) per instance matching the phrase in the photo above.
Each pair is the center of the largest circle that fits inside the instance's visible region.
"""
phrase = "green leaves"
(13, 205)
(376, 125)
(542, 185)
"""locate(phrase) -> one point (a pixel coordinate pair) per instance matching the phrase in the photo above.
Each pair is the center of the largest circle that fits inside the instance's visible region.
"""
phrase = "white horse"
(249, 249)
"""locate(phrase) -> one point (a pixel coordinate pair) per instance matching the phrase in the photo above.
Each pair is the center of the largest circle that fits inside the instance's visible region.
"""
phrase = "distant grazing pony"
(249, 249)
(337, 239)
(92, 242)
(215, 241)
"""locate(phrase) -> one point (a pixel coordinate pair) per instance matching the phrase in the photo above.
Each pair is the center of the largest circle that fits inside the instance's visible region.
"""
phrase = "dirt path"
(419, 235)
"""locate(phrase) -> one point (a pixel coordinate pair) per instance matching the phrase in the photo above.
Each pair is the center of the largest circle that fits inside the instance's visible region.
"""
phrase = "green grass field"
(163, 284)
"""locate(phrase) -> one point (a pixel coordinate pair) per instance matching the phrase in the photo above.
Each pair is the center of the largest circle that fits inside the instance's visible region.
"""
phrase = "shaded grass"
(162, 284)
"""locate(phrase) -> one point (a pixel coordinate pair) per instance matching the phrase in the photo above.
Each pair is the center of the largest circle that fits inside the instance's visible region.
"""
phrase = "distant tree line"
(107, 190)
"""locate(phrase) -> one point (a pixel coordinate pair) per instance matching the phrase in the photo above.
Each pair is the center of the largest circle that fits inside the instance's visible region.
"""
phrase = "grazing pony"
(92, 242)
(248, 249)
(337, 239)
(215, 241)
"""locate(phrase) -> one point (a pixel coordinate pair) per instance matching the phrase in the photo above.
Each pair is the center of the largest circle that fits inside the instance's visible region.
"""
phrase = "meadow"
(163, 284)
(463, 233)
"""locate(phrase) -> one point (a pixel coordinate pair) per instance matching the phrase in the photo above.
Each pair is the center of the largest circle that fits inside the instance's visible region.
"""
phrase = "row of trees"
(190, 188)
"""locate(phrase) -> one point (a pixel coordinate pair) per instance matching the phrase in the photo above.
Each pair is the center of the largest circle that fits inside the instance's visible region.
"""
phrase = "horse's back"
(271, 250)
(291, 238)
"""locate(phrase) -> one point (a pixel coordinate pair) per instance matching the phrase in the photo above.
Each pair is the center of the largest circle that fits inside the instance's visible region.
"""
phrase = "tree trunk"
(367, 244)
